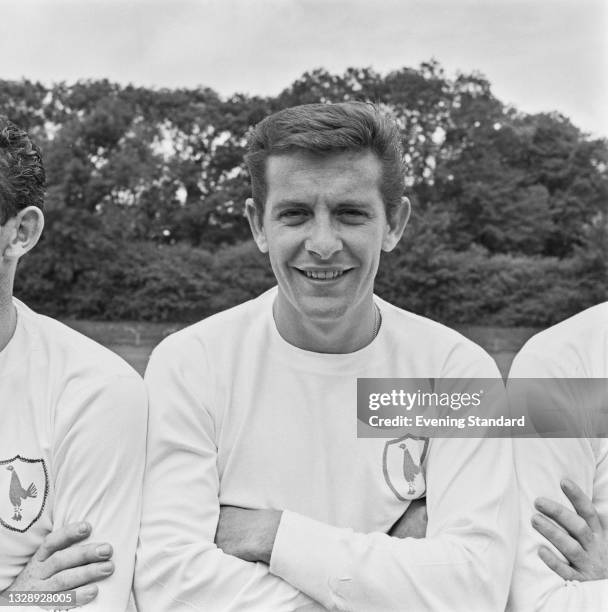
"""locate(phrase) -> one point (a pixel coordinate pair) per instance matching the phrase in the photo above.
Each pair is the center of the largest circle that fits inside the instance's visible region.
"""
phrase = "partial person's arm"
(179, 567)
(413, 522)
(464, 562)
(98, 461)
(542, 464)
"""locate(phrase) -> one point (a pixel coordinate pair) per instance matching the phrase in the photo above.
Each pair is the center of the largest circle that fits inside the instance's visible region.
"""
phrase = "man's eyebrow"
(348, 202)
(354, 202)
(287, 203)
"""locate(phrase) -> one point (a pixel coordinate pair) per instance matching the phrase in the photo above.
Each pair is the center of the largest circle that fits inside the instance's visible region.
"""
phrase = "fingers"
(81, 596)
(575, 525)
(567, 545)
(582, 504)
(62, 538)
(75, 556)
(82, 576)
(84, 595)
(556, 564)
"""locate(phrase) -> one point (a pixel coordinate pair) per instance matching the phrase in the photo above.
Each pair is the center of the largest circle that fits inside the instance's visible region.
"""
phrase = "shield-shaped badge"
(402, 465)
(24, 487)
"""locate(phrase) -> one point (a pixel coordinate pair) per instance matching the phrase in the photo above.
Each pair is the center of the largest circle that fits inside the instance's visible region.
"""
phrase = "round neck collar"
(328, 363)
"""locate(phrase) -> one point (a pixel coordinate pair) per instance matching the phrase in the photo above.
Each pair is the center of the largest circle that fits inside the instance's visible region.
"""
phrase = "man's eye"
(293, 216)
(352, 214)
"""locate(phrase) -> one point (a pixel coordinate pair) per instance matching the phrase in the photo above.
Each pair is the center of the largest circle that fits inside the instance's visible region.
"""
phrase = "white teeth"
(324, 274)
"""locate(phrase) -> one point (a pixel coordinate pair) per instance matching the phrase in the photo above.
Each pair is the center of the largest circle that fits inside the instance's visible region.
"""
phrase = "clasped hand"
(578, 535)
(62, 563)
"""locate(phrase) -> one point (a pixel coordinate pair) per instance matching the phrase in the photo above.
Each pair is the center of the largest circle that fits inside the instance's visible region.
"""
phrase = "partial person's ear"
(256, 223)
(26, 228)
(395, 226)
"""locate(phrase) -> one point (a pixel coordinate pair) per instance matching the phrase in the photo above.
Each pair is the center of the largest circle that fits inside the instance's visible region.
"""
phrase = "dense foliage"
(146, 193)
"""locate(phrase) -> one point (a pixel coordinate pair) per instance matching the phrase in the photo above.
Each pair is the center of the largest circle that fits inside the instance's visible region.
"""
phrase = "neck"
(346, 334)
(8, 320)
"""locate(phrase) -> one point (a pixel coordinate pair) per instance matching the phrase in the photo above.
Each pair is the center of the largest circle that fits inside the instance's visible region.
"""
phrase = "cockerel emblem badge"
(23, 492)
(402, 465)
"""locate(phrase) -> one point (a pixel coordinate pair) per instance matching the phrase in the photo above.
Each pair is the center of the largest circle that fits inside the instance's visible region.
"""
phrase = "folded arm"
(554, 570)
(179, 567)
(546, 578)
(469, 542)
(98, 470)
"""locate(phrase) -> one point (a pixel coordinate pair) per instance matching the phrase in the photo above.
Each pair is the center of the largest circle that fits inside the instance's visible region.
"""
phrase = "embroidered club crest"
(23, 490)
(402, 465)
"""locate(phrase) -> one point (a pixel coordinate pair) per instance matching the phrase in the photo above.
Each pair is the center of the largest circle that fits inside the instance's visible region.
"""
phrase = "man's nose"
(323, 240)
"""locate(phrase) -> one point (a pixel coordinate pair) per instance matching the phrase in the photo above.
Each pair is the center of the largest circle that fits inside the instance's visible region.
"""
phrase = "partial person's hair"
(323, 129)
(22, 176)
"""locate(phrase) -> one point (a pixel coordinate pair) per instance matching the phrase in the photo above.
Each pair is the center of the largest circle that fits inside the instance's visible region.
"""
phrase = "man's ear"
(395, 225)
(26, 228)
(256, 223)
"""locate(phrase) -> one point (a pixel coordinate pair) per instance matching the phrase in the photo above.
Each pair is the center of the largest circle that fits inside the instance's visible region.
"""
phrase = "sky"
(539, 55)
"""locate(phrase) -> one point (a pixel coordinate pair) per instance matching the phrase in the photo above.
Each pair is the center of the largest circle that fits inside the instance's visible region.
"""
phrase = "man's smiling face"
(324, 226)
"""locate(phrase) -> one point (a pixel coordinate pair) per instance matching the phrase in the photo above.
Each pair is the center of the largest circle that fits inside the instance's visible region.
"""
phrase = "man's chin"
(323, 310)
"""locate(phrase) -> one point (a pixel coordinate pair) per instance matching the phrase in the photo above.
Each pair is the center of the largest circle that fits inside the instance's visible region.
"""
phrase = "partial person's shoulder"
(68, 350)
(217, 333)
(577, 329)
(575, 347)
(427, 336)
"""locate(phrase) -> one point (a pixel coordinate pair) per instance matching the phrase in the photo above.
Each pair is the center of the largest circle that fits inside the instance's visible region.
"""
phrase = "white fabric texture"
(76, 406)
(240, 417)
(575, 348)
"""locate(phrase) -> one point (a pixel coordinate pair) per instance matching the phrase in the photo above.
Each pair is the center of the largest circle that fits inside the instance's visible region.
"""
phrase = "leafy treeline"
(146, 190)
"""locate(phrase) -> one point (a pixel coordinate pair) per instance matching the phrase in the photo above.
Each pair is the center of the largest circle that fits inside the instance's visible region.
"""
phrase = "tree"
(146, 191)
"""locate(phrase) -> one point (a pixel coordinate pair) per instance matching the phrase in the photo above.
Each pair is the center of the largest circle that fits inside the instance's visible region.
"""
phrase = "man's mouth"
(328, 274)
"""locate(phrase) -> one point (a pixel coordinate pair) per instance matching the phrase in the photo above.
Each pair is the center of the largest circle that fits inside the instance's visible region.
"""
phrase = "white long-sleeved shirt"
(72, 430)
(575, 348)
(238, 416)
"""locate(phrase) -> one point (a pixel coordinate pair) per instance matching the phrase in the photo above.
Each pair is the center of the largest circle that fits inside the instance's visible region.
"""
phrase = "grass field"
(134, 341)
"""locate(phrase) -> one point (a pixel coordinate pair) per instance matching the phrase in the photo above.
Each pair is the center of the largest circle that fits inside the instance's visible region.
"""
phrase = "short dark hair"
(22, 176)
(323, 129)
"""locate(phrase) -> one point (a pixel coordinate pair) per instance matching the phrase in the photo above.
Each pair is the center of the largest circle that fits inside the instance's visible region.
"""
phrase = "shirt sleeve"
(464, 563)
(98, 463)
(541, 464)
(179, 567)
